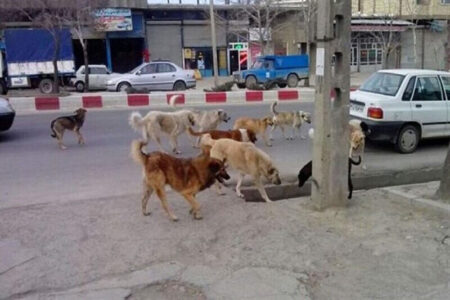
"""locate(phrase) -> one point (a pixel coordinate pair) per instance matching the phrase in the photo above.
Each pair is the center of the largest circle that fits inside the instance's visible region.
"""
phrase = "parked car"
(289, 68)
(7, 114)
(404, 106)
(155, 75)
(98, 76)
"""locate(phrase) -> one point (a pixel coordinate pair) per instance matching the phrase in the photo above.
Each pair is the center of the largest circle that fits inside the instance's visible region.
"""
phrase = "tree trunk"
(443, 192)
(86, 64)
(57, 40)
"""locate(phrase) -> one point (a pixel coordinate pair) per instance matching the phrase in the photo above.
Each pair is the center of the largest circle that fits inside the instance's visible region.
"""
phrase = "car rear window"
(383, 83)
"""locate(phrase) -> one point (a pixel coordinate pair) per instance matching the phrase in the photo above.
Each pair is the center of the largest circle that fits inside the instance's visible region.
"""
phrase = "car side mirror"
(138, 73)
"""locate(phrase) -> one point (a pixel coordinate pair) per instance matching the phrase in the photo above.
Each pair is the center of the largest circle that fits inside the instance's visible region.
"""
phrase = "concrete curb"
(121, 100)
(360, 182)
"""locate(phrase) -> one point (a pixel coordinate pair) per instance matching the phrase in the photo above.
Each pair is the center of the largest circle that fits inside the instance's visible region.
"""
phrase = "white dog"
(157, 122)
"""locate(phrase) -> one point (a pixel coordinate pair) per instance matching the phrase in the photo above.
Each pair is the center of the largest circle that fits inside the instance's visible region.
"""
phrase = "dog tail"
(356, 163)
(173, 100)
(272, 108)
(193, 133)
(136, 121)
(136, 152)
(53, 135)
(311, 133)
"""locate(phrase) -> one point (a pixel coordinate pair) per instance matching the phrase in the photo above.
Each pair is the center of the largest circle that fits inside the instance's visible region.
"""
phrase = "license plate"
(356, 107)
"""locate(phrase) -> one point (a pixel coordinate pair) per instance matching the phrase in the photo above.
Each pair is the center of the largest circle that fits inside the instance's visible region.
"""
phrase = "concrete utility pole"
(214, 42)
(331, 135)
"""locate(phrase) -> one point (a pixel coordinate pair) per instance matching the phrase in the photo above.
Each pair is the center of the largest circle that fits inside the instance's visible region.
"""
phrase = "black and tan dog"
(185, 176)
(306, 172)
(73, 122)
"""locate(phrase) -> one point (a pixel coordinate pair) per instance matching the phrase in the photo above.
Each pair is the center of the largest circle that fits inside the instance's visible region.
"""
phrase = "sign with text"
(113, 19)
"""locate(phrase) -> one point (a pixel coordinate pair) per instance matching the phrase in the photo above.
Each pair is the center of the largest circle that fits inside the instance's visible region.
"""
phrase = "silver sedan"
(156, 75)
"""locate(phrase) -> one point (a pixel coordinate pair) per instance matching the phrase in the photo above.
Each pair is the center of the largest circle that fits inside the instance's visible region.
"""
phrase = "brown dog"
(258, 126)
(74, 123)
(186, 176)
(240, 135)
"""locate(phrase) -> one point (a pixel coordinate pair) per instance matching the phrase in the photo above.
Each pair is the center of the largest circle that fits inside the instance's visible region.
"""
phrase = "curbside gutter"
(360, 182)
(24, 105)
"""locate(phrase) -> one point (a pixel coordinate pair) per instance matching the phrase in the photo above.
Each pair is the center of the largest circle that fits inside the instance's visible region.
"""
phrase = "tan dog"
(157, 122)
(245, 158)
(240, 135)
(185, 176)
(74, 123)
(358, 131)
(258, 126)
(294, 119)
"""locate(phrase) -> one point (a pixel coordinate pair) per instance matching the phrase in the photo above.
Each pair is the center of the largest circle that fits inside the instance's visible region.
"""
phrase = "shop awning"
(378, 28)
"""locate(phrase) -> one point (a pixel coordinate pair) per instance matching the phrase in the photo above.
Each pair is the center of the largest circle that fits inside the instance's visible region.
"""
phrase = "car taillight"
(375, 113)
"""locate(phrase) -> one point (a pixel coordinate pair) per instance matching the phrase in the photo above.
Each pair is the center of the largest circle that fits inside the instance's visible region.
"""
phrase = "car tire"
(47, 86)
(282, 85)
(241, 85)
(408, 139)
(250, 81)
(179, 86)
(123, 86)
(292, 81)
(79, 86)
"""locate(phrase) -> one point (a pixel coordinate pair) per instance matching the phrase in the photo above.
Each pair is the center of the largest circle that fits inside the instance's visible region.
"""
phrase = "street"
(33, 170)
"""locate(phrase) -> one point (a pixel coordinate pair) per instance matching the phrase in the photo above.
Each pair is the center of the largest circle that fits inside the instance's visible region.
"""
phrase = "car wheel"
(2, 88)
(179, 86)
(123, 86)
(250, 81)
(46, 86)
(292, 81)
(408, 139)
(241, 85)
(79, 86)
(282, 85)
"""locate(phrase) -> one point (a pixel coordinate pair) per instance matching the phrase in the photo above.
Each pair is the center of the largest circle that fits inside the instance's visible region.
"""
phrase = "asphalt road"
(33, 170)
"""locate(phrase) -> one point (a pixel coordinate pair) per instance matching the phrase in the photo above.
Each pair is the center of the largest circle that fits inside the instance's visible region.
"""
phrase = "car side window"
(148, 69)
(427, 89)
(166, 68)
(446, 84)
(100, 71)
(409, 89)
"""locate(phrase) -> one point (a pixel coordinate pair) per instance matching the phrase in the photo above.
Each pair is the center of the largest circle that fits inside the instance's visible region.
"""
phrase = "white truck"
(28, 60)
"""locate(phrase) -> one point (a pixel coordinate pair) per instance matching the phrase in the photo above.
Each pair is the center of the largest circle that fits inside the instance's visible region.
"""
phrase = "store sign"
(239, 46)
(113, 19)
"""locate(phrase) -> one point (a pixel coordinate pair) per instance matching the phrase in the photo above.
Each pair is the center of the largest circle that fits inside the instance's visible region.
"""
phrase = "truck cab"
(289, 68)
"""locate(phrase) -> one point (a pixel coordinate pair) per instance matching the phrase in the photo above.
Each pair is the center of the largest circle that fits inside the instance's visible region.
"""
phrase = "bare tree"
(309, 12)
(412, 10)
(443, 192)
(389, 40)
(80, 17)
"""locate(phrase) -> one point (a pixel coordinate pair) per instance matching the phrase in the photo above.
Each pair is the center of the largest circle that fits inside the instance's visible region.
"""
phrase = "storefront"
(237, 57)
(201, 58)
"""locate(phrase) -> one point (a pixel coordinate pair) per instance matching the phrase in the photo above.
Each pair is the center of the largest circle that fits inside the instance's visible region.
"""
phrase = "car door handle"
(418, 105)
(173, 75)
(153, 76)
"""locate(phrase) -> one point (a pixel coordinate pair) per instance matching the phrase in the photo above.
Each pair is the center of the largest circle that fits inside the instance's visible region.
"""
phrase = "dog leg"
(157, 139)
(274, 126)
(195, 207)
(145, 197)
(59, 138)
(268, 144)
(261, 189)
(283, 132)
(162, 196)
(238, 185)
(219, 189)
(174, 144)
(80, 136)
(363, 148)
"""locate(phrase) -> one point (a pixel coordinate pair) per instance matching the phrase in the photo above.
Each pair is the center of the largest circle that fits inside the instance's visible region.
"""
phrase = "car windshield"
(383, 83)
(135, 69)
(257, 64)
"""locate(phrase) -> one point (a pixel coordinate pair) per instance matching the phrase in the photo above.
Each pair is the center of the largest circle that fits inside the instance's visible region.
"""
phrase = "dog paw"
(174, 219)
(269, 145)
(147, 213)
(271, 138)
(198, 216)
(268, 200)
(63, 147)
(364, 167)
(240, 195)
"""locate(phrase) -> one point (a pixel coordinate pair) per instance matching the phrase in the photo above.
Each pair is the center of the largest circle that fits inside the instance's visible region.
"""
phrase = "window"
(383, 83)
(148, 69)
(422, 2)
(446, 84)
(445, 1)
(427, 89)
(370, 52)
(98, 70)
(409, 89)
(166, 68)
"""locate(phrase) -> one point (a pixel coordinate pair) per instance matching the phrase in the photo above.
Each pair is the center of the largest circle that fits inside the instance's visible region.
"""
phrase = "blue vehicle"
(289, 68)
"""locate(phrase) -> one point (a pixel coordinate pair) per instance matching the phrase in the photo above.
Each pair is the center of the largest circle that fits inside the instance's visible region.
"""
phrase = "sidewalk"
(382, 246)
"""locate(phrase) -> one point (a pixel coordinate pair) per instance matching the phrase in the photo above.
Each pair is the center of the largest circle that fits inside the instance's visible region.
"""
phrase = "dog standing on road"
(246, 158)
(258, 126)
(294, 119)
(185, 176)
(73, 122)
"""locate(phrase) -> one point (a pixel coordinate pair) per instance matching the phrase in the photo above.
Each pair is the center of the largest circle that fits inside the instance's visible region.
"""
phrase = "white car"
(7, 114)
(404, 106)
(155, 75)
(98, 76)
